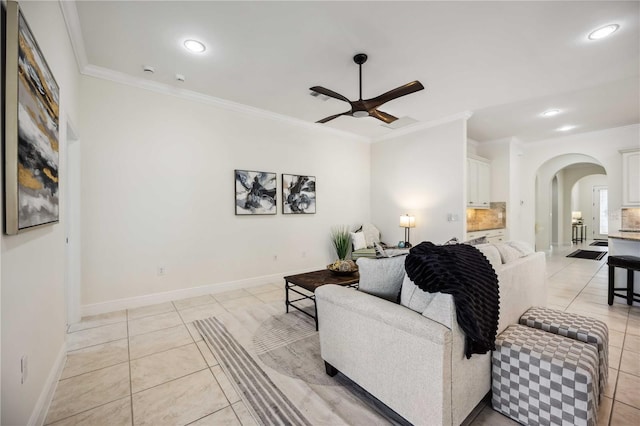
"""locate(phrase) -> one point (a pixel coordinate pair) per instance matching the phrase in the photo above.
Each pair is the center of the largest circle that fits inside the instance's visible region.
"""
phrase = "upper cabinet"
(478, 183)
(631, 177)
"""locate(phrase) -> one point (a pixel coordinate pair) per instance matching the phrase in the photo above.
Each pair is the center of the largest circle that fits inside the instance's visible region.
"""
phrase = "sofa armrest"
(396, 354)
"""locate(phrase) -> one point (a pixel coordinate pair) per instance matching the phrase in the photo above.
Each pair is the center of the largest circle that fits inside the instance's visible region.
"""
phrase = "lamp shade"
(407, 221)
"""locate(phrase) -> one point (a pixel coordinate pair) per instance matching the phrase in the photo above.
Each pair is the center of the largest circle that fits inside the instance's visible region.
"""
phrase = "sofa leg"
(330, 369)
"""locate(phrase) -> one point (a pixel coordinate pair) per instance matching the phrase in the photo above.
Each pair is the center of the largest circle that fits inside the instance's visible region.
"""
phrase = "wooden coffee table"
(310, 281)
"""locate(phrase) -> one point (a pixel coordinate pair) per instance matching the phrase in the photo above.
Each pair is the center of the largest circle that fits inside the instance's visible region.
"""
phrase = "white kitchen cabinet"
(478, 184)
(630, 178)
(493, 235)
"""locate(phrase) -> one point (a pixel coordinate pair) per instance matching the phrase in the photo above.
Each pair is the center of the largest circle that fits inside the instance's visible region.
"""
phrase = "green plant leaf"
(341, 239)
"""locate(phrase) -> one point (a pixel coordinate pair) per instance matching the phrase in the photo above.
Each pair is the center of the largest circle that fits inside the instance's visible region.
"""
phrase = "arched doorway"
(556, 181)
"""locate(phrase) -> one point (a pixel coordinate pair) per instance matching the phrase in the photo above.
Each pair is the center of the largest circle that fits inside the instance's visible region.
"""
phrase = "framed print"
(255, 192)
(298, 194)
(31, 130)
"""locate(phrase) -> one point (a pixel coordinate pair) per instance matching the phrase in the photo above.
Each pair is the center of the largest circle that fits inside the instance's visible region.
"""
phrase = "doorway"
(600, 212)
(560, 196)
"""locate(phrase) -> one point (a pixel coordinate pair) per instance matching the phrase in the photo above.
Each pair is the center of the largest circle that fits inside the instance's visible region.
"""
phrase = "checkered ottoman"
(541, 378)
(577, 327)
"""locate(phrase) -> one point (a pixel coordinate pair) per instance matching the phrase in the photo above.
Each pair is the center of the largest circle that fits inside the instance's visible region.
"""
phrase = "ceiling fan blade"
(331, 117)
(407, 89)
(329, 93)
(380, 115)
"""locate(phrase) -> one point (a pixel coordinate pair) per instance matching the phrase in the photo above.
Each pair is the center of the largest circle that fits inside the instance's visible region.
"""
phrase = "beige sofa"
(414, 362)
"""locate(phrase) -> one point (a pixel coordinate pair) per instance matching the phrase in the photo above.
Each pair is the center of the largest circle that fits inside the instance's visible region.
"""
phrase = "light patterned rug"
(279, 362)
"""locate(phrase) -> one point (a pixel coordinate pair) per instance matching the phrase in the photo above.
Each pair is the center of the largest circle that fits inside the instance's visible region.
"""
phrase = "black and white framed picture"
(298, 194)
(30, 130)
(255, 192)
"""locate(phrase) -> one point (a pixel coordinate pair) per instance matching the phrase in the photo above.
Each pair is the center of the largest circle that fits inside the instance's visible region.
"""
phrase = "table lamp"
(407, 222)
(576, 217)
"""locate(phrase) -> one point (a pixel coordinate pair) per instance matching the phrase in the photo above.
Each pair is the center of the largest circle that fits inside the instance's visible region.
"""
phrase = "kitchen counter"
(631, 236)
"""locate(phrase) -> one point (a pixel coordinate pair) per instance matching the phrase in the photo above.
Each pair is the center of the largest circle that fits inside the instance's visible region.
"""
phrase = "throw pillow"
(413, 297)
(371, 234)
(358, 240)
(452, 241)
(380, 251)
(524, 248)
(476, 241)
(508, 253)
(491, 253)
(381, 277)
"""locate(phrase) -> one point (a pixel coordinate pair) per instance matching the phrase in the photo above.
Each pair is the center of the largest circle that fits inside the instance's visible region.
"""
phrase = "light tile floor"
(580, 286)
(150, 366)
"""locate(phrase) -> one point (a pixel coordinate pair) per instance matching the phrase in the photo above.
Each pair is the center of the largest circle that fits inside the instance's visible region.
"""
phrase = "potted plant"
(341, 240)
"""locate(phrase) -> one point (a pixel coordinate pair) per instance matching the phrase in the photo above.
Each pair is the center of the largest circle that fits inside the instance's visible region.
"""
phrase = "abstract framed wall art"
(298, 194)
(255, 192)
(31, 109)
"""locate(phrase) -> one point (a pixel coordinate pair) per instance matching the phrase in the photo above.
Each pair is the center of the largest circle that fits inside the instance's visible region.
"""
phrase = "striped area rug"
(269, 404)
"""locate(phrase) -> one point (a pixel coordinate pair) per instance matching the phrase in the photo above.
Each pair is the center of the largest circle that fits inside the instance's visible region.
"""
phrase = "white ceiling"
(505, 61)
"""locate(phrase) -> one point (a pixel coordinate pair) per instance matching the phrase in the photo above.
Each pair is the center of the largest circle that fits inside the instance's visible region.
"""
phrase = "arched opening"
(566, 191)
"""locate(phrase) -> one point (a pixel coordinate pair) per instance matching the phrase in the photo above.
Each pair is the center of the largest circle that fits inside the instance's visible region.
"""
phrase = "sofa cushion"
(358, 241)
(381, 277)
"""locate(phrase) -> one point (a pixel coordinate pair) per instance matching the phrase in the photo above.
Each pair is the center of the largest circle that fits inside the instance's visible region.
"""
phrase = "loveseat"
(412, 357)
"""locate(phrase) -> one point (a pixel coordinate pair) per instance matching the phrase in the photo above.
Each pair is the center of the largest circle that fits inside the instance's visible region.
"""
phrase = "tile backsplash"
(494, 217)
(631, 219)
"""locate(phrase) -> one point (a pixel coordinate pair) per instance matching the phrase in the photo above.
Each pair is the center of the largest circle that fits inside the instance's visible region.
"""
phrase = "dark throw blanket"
(462, 271)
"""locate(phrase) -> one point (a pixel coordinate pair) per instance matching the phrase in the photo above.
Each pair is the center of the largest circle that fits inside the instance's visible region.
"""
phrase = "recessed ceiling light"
(565, 128)
(550, 112)
(603, 32)
(194, 46)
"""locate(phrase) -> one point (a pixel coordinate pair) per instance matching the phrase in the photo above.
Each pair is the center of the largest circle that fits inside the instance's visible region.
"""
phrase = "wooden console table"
(309, 282)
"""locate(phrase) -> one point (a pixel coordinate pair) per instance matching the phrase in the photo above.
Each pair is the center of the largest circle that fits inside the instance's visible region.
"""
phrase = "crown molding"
(74, 29)
(465, 115)
(72, 21)
(166, 89)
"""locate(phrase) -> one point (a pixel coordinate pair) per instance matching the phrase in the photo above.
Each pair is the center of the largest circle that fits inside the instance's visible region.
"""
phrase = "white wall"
(506, 157)
(601, 146)
(423, 174)
(158, 190)
(33, 306)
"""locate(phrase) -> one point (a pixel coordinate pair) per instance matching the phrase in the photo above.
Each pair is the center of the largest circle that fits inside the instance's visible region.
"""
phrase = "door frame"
(595, 211)
(72, 226)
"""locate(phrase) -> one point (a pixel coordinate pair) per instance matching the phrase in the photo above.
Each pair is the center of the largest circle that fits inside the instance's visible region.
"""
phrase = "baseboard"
(39, 412)
(152, 299)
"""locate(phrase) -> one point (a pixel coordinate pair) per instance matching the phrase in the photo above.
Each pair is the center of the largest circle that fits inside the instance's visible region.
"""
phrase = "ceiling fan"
(369, 107)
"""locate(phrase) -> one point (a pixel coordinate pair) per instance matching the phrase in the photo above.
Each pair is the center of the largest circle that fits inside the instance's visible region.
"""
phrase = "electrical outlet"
(304, 254)
(275, 257)
(452, 217)
(24, 369)
(161, 271)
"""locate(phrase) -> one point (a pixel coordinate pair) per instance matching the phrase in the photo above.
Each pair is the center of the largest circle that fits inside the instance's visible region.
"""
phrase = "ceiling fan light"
(603, 32)
(360, 114)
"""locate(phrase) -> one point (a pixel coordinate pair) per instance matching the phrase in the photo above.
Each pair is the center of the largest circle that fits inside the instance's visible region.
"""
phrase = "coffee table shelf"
(309, 282)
